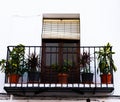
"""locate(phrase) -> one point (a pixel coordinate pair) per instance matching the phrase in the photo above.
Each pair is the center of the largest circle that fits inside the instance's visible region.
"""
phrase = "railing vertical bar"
(100, 73)
(34, 49)
(83, 51)
(50, 64)
(8, 51)
(40, 62)
(67, 57)
(28, 66)
(56, 52)
(89, 65)
(111, 66)
(95, 68)
(72, 62)
(44, 58)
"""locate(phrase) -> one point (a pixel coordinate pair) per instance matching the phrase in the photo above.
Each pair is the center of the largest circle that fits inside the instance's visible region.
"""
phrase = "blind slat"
(61, 29)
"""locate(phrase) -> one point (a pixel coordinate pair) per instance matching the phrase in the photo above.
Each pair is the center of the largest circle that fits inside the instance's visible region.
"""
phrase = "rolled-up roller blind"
(61, 29)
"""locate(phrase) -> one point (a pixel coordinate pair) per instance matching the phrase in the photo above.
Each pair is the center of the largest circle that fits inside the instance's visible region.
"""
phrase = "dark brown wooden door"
(54, 52)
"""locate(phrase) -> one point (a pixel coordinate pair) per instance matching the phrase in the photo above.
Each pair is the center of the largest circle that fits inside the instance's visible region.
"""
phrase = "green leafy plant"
(105, 60)
(15, 63)
(64, 68)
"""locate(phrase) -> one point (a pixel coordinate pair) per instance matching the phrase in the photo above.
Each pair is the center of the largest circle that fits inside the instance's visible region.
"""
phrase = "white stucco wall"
(5, 98)
(78, 100)
(58, 101)
(20, 22)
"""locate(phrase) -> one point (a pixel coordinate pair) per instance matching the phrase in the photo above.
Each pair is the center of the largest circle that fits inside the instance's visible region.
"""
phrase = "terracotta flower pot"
(13, 78)
(106, 78)
(63, 78)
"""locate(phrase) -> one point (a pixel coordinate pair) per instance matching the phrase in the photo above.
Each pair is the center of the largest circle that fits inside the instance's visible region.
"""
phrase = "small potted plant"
(33, 68)
(63, 71)
(14, 66)
(106, 63)
(87, 75)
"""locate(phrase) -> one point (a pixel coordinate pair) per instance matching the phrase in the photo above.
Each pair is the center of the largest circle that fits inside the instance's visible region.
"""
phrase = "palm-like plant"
(105, 61)
(33, 67)
(33, 62)
(85, 61)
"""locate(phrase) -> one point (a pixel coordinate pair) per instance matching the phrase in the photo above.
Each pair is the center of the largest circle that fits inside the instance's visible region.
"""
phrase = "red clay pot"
(13, 78)
(106, 78)
(63, 78)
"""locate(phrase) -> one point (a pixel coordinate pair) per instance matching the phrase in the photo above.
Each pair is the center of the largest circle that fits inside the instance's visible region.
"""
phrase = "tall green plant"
(105, 60)
(15, 63)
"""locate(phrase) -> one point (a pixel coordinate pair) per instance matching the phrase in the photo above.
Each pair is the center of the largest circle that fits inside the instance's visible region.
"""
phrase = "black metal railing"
(47, 76)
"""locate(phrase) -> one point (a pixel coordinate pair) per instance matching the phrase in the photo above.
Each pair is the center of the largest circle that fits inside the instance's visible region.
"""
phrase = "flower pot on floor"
(33, 77)
(87, 78)
(62, 78)
(13, 78)
(106, 78)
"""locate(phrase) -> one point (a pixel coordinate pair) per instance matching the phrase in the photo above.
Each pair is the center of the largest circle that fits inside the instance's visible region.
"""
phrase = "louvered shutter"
(61, 29)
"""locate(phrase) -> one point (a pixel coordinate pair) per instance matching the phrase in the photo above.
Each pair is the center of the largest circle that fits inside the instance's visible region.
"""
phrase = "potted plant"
(87, 75)
(33, 67)
(14, 66)
(62, 71)
(106, 63)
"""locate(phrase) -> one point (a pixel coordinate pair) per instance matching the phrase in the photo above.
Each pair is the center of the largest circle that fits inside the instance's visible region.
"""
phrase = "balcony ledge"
(40, 85)
(38, 88)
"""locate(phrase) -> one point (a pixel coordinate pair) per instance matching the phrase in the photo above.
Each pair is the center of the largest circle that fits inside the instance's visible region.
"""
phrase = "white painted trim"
(76, 85)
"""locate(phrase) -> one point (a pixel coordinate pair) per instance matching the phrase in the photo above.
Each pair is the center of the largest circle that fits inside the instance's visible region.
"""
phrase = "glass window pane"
(70, 57)
(69, 47)
(51, 59)
(52, 47)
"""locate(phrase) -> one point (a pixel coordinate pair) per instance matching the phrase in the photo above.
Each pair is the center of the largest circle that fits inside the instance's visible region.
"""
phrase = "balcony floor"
(33, 89)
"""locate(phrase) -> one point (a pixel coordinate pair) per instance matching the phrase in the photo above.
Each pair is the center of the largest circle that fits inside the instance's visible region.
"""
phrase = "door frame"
(46, 70)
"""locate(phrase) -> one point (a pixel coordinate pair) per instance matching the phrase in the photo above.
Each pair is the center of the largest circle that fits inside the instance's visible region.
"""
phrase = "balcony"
(48, 80)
